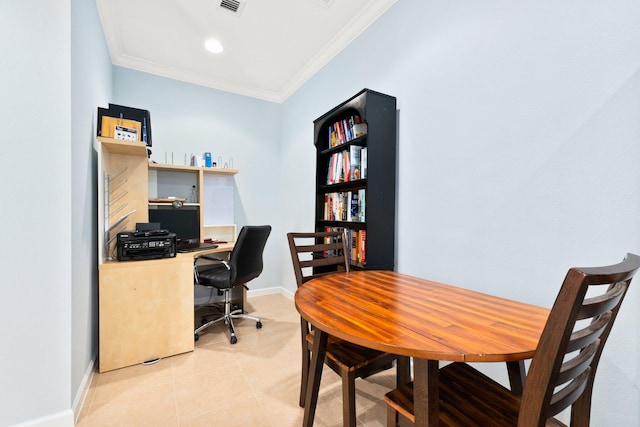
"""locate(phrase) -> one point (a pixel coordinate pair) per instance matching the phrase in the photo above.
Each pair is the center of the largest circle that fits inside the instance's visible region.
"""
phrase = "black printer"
(141, 245)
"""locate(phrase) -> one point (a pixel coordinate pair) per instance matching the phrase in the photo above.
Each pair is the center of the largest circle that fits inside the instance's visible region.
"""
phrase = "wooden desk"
(146, 309)
(428, 321)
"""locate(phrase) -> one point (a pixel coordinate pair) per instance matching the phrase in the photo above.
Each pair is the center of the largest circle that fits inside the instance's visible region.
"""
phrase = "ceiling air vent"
(231, 5)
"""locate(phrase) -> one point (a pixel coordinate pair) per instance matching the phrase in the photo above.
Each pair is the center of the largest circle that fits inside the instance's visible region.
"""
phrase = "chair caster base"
(258, 325)
(233, 340)
(196, 337)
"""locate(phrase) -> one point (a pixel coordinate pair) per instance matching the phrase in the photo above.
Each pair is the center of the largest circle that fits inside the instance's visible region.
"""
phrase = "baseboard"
(269, 291)
(61, 419)
(68, 417)
(83, 390)
(287, 293)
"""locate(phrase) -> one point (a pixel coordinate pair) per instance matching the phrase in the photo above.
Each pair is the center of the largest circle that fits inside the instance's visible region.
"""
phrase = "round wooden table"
(414, 317)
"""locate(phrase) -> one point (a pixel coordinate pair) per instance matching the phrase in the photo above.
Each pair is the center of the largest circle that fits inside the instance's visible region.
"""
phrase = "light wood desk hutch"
(146, 308)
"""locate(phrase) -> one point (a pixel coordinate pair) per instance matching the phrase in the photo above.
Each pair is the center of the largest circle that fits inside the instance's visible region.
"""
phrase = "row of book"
(347, 165)
(345, 206)
(346, 130)
(356, 243)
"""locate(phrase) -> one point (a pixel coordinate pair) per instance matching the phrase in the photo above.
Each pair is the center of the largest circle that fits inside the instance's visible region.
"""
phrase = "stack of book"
(345, 206)
(356, 243)
(346, 130)
(347, 165)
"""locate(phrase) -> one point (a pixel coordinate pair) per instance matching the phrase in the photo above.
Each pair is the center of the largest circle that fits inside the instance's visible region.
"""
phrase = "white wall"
(189, 119)
(90, 86)
(519, 139)
(35, 255)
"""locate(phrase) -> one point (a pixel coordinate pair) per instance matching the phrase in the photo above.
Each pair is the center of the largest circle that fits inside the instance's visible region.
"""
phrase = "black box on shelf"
(128, 113)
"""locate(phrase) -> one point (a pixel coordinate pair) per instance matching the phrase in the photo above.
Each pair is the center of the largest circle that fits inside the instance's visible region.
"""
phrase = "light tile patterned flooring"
(252, 383)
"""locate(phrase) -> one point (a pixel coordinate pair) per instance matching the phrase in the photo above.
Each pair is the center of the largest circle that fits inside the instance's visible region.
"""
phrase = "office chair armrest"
(211, 258)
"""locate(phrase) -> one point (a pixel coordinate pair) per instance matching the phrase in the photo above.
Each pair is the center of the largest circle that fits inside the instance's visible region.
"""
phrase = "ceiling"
(271, 47)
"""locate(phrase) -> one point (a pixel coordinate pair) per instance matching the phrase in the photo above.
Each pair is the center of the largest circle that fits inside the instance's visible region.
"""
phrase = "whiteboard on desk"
(218, 199)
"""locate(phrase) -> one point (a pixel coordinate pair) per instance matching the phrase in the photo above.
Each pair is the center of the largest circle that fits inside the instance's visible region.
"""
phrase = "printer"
(142, 245)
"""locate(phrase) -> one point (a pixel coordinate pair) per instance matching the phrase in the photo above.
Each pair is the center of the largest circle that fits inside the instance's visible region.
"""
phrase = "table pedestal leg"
(426, 402)
(315, 374)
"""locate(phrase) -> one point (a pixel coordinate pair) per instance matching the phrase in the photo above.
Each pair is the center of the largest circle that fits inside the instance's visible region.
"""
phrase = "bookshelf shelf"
(344, 186)
(356, 179)
(361, 141)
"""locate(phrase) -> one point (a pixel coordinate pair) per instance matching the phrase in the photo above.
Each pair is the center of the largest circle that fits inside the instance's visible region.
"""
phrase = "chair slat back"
(564, 366)
(315, 254)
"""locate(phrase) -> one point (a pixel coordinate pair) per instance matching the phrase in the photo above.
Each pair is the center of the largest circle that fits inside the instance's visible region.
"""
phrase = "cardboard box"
(109, 126)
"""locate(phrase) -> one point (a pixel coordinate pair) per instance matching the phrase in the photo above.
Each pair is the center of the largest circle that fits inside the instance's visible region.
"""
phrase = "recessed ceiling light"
(213, 46)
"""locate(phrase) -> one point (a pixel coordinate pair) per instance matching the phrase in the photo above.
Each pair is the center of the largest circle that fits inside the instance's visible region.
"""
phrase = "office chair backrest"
(564, 366)
(318, 253)
(245, 262)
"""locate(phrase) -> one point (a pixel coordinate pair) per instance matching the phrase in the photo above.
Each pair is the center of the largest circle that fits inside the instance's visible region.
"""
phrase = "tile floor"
(252, 383)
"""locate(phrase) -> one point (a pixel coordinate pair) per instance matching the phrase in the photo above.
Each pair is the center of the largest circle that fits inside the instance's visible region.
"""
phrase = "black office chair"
(244, 264)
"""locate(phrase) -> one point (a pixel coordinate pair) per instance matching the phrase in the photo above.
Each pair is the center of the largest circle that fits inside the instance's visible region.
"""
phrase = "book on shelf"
(329, 240)
(361, 205)
(362, 242)
(363, 162)
(359, 129)
(345, 206)
(354, 157)
(355, 242)
(345, 166)
(345, 130)
(352, 244)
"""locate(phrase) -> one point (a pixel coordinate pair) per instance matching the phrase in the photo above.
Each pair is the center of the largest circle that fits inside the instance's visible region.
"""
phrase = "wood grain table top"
(420, 318)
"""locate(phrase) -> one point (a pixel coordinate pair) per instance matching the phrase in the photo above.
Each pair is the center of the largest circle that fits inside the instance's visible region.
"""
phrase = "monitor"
(184, 222)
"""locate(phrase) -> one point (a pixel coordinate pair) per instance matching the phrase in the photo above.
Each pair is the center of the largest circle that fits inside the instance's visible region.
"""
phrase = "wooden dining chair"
(315, 254)
(562, 371)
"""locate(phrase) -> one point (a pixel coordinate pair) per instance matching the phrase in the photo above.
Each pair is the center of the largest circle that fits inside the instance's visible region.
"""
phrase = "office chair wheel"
(196, 337)
(233, 339)
(258, 325)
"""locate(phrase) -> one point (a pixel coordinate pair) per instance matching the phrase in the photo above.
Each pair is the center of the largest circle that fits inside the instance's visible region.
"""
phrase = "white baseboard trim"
(269, 291)
(61, 419)
(69, 417)
(83, 390)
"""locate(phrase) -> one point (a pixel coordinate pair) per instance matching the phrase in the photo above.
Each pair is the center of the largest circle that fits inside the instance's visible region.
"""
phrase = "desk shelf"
(221, 171)
(215, 192)
(129, 148)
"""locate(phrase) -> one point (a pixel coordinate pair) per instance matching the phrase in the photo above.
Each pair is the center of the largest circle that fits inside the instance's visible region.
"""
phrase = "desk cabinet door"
(146, 311)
